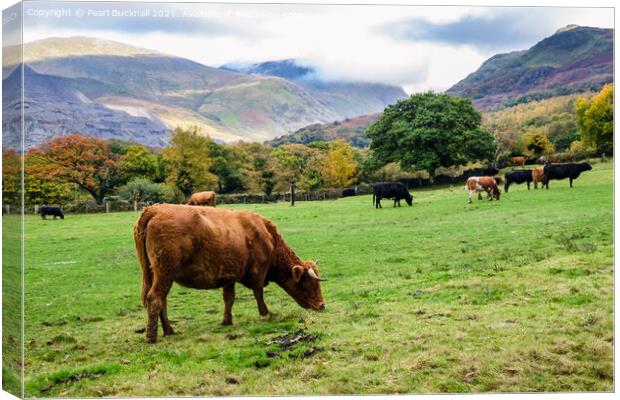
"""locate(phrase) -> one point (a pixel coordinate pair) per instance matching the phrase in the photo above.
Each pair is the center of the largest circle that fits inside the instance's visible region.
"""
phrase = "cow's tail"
(139, 236)
(373, 199)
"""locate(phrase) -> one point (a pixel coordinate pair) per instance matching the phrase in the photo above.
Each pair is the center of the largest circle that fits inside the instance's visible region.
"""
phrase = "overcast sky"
(416, 47)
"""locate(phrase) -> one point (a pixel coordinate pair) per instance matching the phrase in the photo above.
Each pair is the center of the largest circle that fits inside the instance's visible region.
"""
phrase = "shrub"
(142, 190)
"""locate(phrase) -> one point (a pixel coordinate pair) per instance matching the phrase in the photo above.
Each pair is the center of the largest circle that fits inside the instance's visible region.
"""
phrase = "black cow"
(519, 176)
(563, 171)
(55, 211)
(390, 190)
(348, 192)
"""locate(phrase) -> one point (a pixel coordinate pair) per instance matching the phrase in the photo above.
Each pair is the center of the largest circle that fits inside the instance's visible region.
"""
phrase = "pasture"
(444, 296)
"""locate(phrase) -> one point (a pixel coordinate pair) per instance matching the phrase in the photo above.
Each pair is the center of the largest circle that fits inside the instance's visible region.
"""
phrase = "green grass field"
(444, 296)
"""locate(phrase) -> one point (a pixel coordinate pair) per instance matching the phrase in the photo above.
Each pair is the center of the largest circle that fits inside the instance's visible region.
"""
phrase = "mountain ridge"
(574, 59)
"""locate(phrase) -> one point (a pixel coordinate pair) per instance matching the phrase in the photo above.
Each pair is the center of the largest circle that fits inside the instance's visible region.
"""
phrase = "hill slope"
(352, 131)
(574, 59)
(348, 99)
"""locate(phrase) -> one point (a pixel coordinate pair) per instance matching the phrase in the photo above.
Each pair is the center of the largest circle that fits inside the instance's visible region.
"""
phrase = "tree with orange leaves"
(84, 161)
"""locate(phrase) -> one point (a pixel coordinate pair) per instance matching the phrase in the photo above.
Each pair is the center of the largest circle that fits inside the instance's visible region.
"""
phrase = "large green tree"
(138, 162)
(595, 119)
(226, 167)
(430, 130)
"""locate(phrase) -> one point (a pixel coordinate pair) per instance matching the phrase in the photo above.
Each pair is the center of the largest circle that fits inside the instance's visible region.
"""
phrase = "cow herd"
(537, 175)
(490, 184)
(203, 247)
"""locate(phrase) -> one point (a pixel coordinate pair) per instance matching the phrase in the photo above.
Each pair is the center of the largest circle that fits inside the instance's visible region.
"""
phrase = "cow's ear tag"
(298, 271)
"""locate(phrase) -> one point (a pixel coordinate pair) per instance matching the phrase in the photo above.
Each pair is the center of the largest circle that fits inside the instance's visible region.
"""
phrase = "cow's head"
(585, 166)
(496, 193)
(306, 288)
(408, 198)
(62, 215)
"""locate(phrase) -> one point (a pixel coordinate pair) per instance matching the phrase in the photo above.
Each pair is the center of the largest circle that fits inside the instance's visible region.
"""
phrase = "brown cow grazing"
(205, 248)
(202, 199)
(483, 184)
(538, 174)
(517, 161)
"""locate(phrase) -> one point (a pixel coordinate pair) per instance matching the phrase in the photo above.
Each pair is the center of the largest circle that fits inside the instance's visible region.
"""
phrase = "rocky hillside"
(55, 106)
(348, 99)
(574, 59)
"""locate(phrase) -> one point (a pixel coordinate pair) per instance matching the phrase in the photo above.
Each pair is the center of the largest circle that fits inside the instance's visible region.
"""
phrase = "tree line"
(75, 167)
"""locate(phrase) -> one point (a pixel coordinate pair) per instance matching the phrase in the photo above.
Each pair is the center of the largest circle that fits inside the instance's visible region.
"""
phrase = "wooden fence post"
(292, 194)
(8, 208)
(135, 205)
(107, 207)
(36, 209)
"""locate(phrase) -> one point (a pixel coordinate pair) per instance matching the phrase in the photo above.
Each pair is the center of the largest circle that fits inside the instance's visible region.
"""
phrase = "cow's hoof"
(151, 340)
(169, 333)
(263, 312)
(226, 323)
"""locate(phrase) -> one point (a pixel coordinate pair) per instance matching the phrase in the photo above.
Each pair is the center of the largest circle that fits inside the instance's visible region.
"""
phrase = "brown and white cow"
(202, 199)
(481, 184)
(209, 248)
(538, 174)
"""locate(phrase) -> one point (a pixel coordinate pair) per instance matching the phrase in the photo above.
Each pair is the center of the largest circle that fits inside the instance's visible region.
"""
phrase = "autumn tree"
(81, 160)
(40, 188)
(595, 119)
(430, 130)
(188, 163)
(340, 167)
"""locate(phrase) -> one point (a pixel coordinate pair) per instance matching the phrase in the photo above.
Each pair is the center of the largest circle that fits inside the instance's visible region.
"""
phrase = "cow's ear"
(298, 271)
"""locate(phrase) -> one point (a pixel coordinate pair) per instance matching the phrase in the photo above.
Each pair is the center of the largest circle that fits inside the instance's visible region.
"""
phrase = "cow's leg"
(479, 195)
(571, 182)
(163, 316)
(155, 300)
(469, 193)
(229, 299)
(379, 202)
(262, 307)
(528, 185)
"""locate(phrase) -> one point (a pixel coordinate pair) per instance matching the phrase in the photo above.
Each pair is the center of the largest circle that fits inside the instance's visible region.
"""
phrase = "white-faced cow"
(481, 184)
(208, 248)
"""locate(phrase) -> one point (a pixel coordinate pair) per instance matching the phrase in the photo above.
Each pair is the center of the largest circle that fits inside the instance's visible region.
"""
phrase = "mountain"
(348, 99)
(351, 130)
(163, 89)
(54, 105)
(574, 59)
